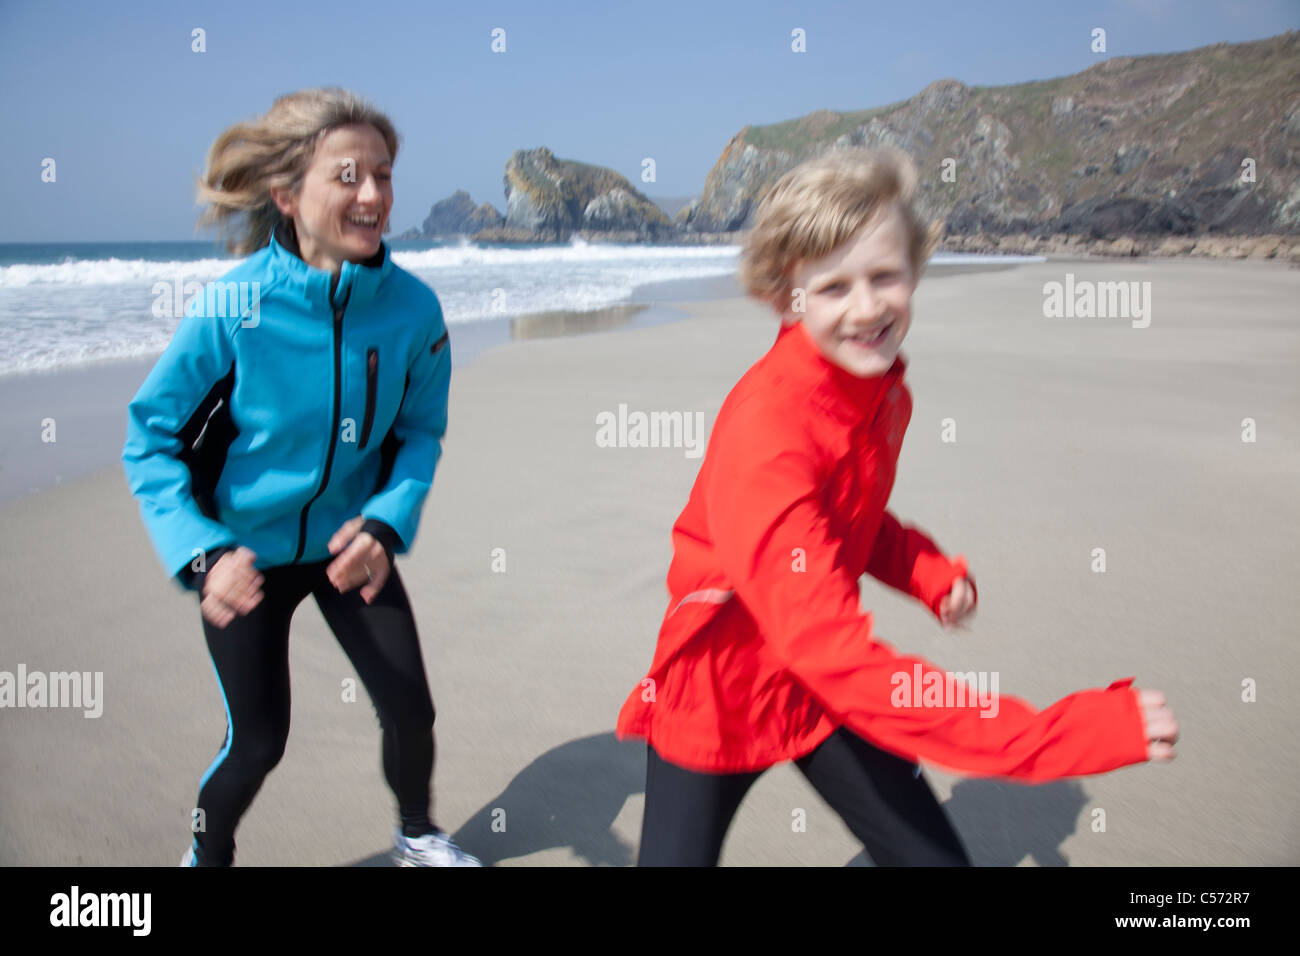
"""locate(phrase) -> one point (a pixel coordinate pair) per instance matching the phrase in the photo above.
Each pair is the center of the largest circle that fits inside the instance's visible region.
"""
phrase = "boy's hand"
(957, 604)
(1159, 725)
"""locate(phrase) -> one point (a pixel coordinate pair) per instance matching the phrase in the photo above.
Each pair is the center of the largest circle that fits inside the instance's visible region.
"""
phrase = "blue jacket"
(271, 426)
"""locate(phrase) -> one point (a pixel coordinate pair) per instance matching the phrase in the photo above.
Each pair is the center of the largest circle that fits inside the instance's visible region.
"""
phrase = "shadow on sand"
(569, 798)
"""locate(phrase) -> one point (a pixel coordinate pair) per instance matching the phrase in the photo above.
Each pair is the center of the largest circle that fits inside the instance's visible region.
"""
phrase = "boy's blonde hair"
(275, 150)
(818, 206)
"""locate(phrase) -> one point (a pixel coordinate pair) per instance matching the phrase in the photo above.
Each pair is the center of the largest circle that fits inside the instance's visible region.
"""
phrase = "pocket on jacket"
(372, 389)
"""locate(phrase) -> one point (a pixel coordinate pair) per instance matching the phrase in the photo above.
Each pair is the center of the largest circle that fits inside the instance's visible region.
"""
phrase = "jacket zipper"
(372, 384)
(329, 455)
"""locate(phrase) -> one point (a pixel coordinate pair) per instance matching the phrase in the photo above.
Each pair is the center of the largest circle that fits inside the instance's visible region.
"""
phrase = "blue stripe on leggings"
(230, 729)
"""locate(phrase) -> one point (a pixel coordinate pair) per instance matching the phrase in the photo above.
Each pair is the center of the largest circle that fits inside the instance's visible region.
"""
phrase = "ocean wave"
(80, 272)
(112, 271)
(85, 311)
(468, 254)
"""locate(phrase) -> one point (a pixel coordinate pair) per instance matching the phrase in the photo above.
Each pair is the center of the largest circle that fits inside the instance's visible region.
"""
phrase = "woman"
(284, 447)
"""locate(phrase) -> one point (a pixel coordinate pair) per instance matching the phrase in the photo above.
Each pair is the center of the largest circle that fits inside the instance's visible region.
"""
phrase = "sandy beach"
(1071, 434)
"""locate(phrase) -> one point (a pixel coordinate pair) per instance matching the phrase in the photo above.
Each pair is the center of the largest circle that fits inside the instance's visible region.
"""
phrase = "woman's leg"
(686, 813)
(251, 659)
(381, 641)
(886, 804)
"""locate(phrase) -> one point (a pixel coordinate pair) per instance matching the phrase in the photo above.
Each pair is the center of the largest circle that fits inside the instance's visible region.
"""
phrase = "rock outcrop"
(447, 218)
(484, 217)
(550, 199)
(456, 216)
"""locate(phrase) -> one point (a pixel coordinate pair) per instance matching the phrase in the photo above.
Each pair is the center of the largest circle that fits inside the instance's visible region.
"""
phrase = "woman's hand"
(957, 604)
(233, 586)
(363, 561)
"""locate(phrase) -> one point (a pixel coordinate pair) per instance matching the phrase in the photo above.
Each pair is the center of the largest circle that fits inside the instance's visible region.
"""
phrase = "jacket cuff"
(193, 580)
(956, 569)
(384, 534)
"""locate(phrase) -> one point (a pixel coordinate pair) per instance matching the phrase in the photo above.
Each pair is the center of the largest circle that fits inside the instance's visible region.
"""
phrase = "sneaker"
(432, 849)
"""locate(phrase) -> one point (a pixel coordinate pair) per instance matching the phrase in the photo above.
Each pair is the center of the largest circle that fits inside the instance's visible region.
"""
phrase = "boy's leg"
(381, 641)
(251, 658)
(886, 804)
(687, 814)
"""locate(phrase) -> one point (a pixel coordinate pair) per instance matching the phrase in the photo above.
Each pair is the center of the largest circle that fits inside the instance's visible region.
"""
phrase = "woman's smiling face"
(858, 297)
(342, 206)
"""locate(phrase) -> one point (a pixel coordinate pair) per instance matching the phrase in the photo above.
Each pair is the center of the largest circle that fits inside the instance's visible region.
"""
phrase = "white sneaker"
(432, 849)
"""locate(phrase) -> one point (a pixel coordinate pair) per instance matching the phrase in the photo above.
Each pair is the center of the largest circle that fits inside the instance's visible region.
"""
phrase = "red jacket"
(764, 649)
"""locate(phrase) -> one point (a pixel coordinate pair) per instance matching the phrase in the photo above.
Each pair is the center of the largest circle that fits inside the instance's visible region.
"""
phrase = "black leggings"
(251, 658)
(879, 797)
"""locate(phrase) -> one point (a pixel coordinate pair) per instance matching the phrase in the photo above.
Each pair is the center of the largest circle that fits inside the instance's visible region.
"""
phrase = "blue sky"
(113, 92)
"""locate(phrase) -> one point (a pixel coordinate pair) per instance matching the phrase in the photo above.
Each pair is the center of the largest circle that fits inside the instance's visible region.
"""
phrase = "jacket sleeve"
(419, 429)
(763, 503)
(177, 390)
(904, 558)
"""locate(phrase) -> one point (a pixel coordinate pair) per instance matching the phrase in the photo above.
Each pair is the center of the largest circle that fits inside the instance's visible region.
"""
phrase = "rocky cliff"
(1184, 144)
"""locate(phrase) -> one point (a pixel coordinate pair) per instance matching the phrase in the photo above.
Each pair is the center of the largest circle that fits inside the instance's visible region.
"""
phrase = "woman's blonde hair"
(275, 150)
(818, 206)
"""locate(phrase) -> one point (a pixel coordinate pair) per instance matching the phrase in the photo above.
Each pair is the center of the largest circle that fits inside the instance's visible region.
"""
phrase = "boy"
(764, 653)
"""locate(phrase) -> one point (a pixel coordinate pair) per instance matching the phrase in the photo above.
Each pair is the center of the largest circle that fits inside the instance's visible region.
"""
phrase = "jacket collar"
(849, 398)
(354, 283)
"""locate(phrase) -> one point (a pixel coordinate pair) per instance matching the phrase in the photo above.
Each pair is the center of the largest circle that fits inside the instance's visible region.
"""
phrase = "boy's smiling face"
(858, 297)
